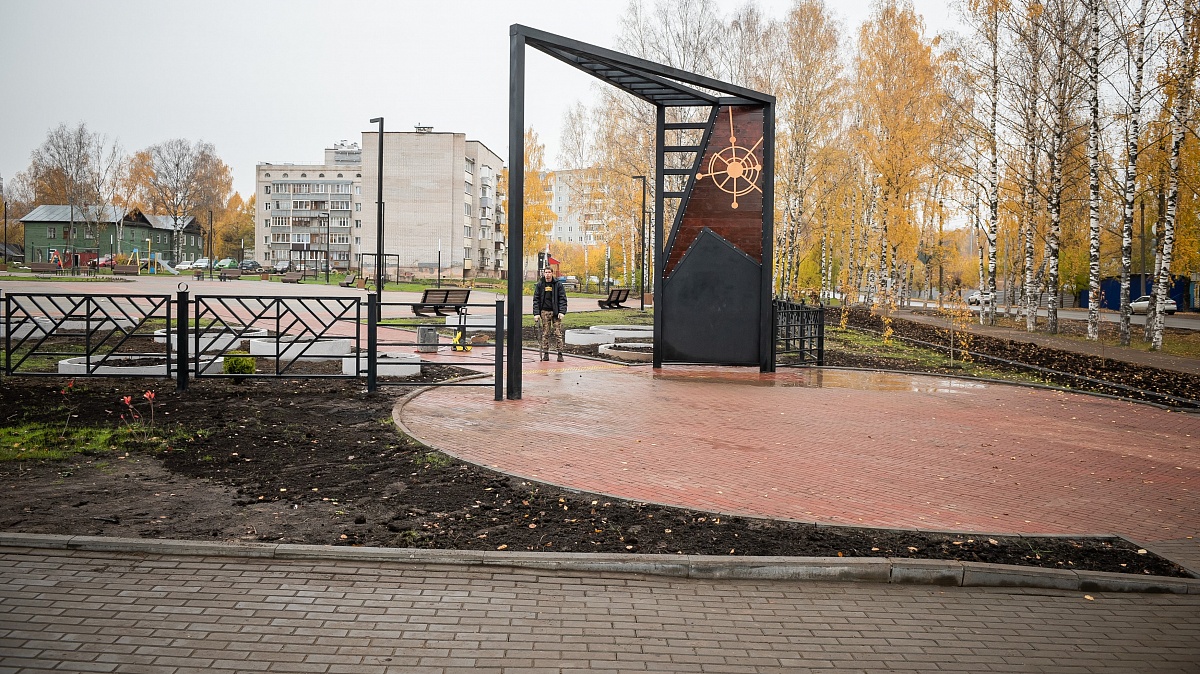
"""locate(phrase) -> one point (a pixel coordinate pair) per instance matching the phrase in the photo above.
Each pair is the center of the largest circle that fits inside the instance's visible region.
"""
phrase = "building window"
(341, 222)
(319, 188)
(467, 209)
(358, 223)
(301, 205)
(358, 206)
(357, 240)
(51, 233)
(266, 205)
(467, 231)
(303, 175)
(341, 189)
(285, 175)
(339, 205)
(467, 187)
(266, 189)
(358, 189)
(471, 166)
(267, 239)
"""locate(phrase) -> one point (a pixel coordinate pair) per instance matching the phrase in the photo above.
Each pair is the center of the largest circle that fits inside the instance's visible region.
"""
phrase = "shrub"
(239, 362)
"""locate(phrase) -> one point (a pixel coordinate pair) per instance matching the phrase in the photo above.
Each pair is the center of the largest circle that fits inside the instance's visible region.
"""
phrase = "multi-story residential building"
(310, 213)
(440, 197)
(578, 219)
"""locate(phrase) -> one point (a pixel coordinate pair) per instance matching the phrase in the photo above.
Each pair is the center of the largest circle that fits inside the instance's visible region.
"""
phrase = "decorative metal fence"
(96, 335)
(799, 333)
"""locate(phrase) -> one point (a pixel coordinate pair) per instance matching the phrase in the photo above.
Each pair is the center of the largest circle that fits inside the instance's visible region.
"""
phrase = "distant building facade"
(78, 235)
(440, 194)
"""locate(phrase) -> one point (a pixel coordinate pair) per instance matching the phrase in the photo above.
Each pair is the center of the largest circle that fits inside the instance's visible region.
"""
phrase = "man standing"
(549, 305)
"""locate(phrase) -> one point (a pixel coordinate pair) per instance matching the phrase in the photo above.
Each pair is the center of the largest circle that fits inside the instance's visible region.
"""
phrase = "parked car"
(183, 266)
(105, 261)
(201, 263)
(282, 266)
(1142, 305)
(227, 263)
(975, 298)
(250, 266)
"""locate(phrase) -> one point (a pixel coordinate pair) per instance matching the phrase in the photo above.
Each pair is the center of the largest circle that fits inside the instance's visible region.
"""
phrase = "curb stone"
(840, 569)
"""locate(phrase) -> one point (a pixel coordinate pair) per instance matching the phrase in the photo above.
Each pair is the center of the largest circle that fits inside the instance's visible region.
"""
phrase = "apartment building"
(310, 213)
(440, 195)
(572, 198)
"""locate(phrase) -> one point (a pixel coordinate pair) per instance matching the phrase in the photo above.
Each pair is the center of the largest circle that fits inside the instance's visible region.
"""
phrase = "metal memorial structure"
(714, 163)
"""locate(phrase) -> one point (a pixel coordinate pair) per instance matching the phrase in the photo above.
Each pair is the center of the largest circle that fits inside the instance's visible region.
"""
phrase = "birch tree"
(1183, 25)
(185, 179)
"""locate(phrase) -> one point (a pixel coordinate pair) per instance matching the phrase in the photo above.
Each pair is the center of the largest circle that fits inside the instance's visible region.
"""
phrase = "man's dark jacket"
(559, 294)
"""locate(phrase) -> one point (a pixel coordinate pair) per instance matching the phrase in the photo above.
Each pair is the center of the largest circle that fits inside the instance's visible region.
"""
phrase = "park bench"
(230, 274)
(442, 301)
(292, 277)
(615, 297)
(125, 270)
(348, 281)
(44, 267)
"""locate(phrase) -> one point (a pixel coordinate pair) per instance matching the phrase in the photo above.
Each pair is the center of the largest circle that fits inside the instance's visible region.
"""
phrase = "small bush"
(239, 362)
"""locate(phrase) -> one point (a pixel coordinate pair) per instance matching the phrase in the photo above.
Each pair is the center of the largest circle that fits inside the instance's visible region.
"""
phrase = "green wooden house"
(77, 236)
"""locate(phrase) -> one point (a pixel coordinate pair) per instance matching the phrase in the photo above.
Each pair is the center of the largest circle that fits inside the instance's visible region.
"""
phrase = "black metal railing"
(78, 334)
(91, 335)
(799, 333)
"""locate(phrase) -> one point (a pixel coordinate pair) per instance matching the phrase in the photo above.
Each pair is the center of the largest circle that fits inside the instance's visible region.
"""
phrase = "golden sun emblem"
(738, 170)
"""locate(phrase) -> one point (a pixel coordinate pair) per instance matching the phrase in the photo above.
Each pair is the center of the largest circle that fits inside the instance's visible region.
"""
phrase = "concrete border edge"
(839, 569)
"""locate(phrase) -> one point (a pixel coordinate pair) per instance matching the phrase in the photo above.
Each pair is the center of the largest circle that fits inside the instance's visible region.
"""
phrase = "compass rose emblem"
(734, 169)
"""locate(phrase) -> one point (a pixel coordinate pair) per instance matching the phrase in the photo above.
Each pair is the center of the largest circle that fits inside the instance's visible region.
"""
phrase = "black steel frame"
(664, 87)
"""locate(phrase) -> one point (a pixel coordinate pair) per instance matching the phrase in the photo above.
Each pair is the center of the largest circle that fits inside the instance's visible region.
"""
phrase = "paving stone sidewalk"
(118, 612)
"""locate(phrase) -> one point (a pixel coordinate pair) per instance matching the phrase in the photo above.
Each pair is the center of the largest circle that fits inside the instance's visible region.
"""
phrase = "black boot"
(560, 358)
(545, 355)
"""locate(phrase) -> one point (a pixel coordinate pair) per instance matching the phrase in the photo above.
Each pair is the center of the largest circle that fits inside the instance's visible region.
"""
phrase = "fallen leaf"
(1089, 597)
(502, 547)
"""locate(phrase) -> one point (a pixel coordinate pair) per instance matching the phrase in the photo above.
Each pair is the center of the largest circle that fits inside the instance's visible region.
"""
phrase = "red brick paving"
(836, 446)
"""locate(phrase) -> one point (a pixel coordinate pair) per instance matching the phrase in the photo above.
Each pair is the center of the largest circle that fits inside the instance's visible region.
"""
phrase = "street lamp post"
(212, 248)
(111, 260)
(149, 258)
(439, 274)
(6, 233)
(642, 248)
(379, 220)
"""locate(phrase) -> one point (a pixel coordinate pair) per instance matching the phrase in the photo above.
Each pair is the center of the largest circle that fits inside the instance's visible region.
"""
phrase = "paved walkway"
(120, 612)
(836, 446)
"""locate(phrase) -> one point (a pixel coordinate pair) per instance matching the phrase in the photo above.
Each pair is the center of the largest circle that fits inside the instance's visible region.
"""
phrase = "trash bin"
(428, 337)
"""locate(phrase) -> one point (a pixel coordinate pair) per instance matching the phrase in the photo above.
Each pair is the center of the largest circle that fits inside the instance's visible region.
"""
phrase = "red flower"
(148, 395)
(128, 400)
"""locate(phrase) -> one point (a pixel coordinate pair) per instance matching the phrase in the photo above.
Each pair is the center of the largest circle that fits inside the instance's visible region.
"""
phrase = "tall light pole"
(149, 258)
(379, 220)
(439, 275)
(6, 234)
(642, 248)
(212, 248)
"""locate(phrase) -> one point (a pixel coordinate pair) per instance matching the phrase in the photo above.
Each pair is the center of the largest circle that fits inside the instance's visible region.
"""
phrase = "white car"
(201, 263)
(1142, 305)
(184, 266)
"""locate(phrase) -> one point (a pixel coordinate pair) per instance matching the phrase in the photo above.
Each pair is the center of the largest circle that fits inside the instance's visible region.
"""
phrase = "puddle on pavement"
(819, 378)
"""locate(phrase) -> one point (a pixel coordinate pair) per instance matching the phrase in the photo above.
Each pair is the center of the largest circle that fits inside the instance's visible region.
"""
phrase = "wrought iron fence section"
(40, 326)
(393, 332)
(286, 330)
(799, 332)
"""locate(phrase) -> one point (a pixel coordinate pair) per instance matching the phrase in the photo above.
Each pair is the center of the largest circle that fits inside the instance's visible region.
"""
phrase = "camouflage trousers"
(550, 337)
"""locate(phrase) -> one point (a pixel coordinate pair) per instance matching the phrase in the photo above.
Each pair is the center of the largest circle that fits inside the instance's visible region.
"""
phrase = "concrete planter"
(216, 340)
(587, 337)
(386, 365)
(24, 328)
(643, 354)
(626, 331)
(112, 366)
(291, 348)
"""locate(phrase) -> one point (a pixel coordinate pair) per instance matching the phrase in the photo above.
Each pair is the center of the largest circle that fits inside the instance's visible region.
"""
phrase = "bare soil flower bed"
(320, 462)
(1178, 384)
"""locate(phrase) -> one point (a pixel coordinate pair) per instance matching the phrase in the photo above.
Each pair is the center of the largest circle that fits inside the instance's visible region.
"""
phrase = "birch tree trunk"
(1132, 140)
(1093, 151)
(1185, 74)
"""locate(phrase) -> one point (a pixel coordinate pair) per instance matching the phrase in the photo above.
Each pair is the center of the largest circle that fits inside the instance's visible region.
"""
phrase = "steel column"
(516, 207)
(766, 360)
(499, 340)
(181, 332)
(373, 309)
(660, 134)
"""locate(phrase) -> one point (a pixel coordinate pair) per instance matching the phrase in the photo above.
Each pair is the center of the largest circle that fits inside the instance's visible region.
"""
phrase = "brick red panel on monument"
(727, 195)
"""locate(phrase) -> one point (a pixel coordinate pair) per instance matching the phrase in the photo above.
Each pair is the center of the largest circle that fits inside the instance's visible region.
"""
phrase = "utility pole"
(379, 221)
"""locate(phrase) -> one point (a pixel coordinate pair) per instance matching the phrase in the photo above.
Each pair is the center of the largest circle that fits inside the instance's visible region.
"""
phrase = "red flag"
(550, 261)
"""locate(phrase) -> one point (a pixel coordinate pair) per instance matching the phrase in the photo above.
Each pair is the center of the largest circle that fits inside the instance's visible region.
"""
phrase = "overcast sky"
(280, 81)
